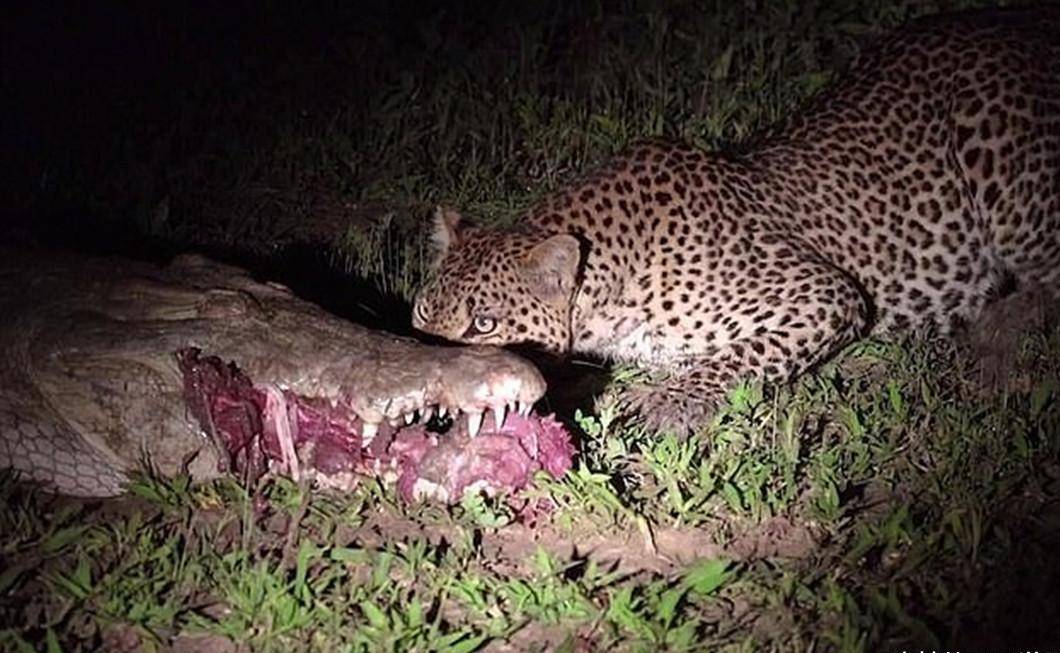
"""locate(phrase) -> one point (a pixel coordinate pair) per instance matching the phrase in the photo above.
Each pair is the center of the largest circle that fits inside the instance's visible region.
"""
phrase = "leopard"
(900, 198)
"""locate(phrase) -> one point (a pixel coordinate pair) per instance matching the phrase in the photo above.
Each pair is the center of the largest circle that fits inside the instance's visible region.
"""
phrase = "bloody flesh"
(268, 428)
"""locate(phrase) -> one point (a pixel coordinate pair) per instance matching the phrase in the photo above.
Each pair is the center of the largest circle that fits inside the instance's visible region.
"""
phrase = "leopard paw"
(666, 408)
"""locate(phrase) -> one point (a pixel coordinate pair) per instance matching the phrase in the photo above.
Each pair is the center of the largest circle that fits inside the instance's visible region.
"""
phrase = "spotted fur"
(901, 197)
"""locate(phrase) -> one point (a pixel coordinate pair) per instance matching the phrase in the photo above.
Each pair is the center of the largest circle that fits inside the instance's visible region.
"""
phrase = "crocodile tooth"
(524, 408)
(442, 410)
(474, 423)
(499, 413)
(410, 418)
(368, 433)
(427, 413)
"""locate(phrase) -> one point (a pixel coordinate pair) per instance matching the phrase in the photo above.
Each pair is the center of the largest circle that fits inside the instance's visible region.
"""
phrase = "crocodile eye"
(483, 324)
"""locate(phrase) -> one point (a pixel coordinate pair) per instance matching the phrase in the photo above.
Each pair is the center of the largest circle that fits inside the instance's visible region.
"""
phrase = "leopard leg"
(808, 315)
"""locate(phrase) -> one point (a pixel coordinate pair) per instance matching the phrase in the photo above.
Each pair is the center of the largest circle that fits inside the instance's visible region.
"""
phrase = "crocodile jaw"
(259, 428)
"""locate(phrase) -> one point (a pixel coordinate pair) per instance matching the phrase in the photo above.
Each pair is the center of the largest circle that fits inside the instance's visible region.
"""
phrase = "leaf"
(1040, 397)
(667, 608)
(9, 576)
(894, 395)
(414, 619)
(543, 562)
(350, 555)
(622, 611)
(722, 66)
(465, 645)
(376, 618)
(77, 584)
(381, 571)
(52, 640)
(732, 497)
(708, 576)
(306, 553)
(20, 645)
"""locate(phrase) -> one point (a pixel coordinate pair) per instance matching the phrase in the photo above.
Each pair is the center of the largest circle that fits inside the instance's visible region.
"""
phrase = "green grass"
(903, 491)
(880, 503)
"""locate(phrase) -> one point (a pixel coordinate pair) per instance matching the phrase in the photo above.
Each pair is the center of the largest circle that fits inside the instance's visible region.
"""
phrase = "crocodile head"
(107, 363)
(377, 422)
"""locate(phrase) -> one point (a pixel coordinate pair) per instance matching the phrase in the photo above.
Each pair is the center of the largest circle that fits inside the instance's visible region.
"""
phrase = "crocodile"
(108, 366)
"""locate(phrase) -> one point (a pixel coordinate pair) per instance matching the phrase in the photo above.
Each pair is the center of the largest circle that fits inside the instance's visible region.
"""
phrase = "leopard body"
(902, 197)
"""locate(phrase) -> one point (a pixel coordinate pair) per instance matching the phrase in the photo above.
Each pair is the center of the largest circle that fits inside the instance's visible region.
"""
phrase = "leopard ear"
(551, 266)
(445, 233)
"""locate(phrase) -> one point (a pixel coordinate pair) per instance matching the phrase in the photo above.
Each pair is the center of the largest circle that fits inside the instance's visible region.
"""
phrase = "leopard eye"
(483, 324)
(421, 312)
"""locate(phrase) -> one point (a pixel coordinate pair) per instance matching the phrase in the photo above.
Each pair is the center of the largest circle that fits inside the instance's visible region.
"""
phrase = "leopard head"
(499, 287)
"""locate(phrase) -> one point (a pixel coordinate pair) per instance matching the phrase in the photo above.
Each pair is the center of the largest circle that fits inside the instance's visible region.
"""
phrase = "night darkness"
(111, 107)
(901, 494)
